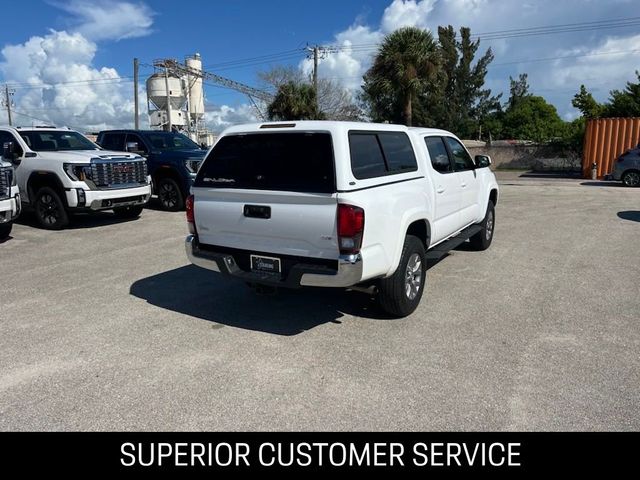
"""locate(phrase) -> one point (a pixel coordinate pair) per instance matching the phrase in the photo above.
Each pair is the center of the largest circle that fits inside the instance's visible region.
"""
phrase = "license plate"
(265, 264)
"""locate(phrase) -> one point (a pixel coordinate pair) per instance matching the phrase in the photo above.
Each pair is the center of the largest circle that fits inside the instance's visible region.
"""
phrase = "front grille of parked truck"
(6, 177)
(118, 174)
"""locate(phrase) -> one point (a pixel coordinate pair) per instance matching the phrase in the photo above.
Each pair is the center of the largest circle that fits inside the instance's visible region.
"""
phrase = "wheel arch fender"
(414, 222)
(40, 179)
(168, 172)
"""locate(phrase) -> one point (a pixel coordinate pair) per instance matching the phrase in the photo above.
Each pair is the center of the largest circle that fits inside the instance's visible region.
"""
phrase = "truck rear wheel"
(169, 194)
(482, 239)
(5, 230)
(400, 294)
(50, 210)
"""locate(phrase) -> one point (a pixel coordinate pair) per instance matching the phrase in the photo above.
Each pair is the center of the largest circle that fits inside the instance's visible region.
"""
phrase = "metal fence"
(605, 139)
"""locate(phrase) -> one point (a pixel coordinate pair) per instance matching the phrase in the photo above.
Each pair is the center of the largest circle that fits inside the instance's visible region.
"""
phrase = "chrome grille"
(6, 176)
(119, 174)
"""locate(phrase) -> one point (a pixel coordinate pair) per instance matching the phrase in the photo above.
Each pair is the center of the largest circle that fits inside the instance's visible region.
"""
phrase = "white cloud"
(556, 80)
(108, 20)
(349, 63)
(56, 83)
(54, 77)
(609, 63)
(406, 13)
(219, 117)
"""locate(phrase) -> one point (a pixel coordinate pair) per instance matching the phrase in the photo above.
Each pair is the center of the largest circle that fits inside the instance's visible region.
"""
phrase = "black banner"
(430, 453)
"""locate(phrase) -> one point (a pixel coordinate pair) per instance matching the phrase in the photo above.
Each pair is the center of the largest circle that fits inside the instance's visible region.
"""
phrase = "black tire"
(631, 178)
(5, 230)
(170, 195)
(50, 210)
(482, 240)
(400, 294)
(132, 211)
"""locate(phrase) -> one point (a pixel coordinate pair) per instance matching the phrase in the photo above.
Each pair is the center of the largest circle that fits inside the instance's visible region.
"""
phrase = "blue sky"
(93, 44)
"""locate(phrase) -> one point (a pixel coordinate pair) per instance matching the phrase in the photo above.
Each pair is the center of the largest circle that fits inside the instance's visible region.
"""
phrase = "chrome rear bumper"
(349, 271)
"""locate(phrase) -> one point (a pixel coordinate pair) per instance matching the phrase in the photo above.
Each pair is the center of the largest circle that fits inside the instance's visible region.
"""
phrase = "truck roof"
(125, 130)
(328, 125)
(39, 128)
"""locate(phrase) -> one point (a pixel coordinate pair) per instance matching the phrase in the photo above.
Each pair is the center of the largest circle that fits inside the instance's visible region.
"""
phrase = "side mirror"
(482, 161)
(134, 147)
(10, 154)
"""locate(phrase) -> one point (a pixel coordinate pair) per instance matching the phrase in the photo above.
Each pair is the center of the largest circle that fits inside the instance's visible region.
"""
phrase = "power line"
(97, 81)
(522, 32)
(548, 59)
(261, 59)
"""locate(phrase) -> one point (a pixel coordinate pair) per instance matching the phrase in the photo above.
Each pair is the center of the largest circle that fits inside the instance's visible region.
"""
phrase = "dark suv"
(172, 159)
(627, 168)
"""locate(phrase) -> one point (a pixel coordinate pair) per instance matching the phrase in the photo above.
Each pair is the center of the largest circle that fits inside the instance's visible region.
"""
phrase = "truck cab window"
(438, 153)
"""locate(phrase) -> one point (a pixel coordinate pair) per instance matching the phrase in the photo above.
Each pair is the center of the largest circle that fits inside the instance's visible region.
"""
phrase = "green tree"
(405, 66)
(518, 89)
(588, 106)
(334, 101)
(530, 117)
(294, 102)
(463, 103)
(624, 103)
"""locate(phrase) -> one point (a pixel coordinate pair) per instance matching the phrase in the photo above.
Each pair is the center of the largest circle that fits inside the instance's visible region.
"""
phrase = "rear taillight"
(350, 228)
(191, 218)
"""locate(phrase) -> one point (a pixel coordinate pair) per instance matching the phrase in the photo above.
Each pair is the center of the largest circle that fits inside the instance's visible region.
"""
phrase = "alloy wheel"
(413, 277)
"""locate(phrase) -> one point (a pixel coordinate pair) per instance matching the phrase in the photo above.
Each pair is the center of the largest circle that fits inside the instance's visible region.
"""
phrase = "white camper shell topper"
(338, 204)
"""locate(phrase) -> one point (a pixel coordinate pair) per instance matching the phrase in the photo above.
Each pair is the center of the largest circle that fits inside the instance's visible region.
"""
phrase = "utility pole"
(315, 71)
(7, 101)
(315, 51)
(136, 120)
(168, 127)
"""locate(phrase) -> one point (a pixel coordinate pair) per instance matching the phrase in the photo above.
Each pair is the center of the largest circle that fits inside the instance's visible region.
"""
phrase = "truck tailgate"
(286, 223)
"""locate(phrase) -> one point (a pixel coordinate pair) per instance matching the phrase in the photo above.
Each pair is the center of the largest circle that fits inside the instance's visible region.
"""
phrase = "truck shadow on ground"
(631, 215)
(77, 221)
(199, 293)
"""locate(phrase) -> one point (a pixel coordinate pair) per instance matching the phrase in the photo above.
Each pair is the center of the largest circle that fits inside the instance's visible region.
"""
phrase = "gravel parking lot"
(105, 326)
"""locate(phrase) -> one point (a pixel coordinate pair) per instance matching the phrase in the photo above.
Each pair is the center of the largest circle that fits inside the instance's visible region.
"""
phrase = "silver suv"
(627, 168)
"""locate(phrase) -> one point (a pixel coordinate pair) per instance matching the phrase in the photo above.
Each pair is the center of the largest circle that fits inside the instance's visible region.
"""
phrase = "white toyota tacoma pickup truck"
(60, 171)
(338, 204)
(9, 199)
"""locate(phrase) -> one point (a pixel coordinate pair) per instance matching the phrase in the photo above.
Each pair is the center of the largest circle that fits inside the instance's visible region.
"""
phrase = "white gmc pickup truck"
(338, 204)
(60, 171)
(9, 199)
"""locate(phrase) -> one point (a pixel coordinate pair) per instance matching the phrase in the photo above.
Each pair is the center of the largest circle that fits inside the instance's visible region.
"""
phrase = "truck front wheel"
(169, 194)
(400, 294)
(50, 210)
(5, 230)
(482, 239)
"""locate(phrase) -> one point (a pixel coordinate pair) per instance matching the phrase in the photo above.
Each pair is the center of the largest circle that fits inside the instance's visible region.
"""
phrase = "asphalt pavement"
(105, 326)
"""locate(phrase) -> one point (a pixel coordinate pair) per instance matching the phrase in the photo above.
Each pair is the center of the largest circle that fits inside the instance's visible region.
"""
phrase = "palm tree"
(295, 101)
(407, 61)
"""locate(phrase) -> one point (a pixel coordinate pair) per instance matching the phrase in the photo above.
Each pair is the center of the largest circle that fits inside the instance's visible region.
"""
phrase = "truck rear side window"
(366, 156)
(287, 161)
(376, 154)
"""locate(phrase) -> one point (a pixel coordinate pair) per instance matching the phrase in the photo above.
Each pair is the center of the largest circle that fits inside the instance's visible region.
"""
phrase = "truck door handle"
(257, 211)
(463, 185)
(440, 190)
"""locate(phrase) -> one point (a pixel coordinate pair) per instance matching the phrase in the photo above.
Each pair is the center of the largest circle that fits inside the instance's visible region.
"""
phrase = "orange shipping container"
(605, 139)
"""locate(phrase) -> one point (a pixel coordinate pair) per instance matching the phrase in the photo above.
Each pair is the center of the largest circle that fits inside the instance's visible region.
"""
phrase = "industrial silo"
(165, 90)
